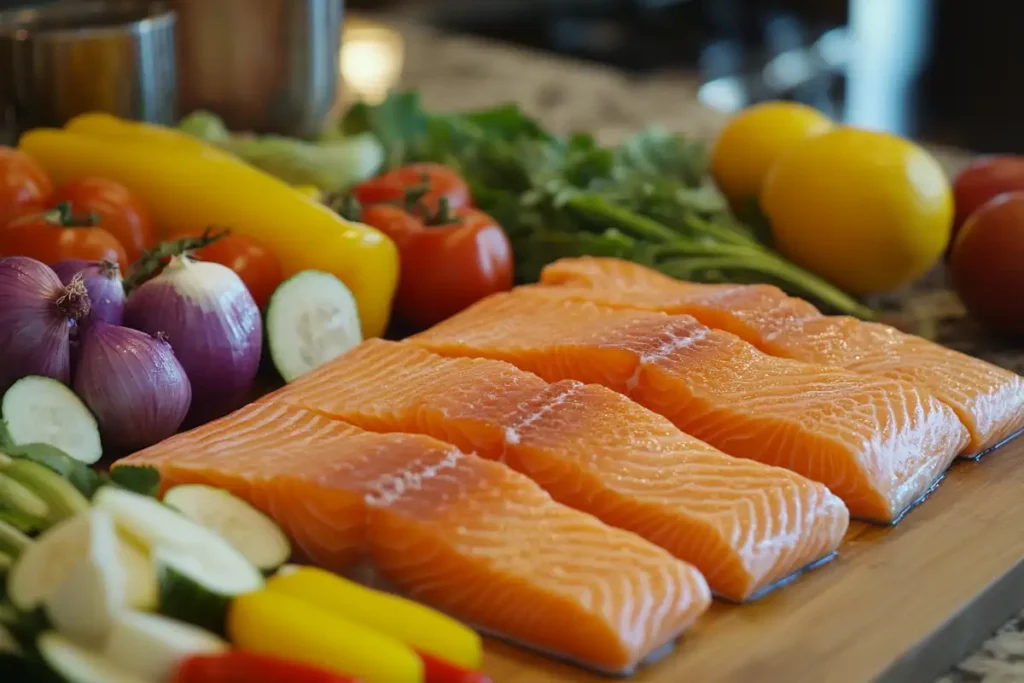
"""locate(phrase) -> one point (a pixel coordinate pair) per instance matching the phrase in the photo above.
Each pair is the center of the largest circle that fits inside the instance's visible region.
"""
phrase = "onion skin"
(133, 384)
(212, 323)
(37, 315)
(104, 284)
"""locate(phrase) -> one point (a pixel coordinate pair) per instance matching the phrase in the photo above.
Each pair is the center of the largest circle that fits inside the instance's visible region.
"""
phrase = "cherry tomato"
(435, 180)
(985, 263)
(120, 212)
(255, 264)
(24, 185)
(445, 267)
(982, 180)
(56, 235)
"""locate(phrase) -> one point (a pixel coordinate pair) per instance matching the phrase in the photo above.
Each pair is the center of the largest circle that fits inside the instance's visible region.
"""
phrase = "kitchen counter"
(454, 72)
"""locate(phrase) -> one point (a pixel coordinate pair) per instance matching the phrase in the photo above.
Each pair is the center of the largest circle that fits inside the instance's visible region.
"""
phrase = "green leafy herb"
(142, 480)
(648, 200)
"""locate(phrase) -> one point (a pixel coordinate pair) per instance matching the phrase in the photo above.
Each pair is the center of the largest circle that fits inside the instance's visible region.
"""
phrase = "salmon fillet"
(745, 525)
(469, 536)
(989, 400)
(879, 444)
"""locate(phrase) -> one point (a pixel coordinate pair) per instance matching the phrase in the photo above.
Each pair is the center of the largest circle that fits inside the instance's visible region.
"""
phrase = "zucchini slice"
(143, 589)
(70, 663)
(191, 561)
(85, 604)
(250, 531)
(42, 410)
(152, 647)
(312, 318)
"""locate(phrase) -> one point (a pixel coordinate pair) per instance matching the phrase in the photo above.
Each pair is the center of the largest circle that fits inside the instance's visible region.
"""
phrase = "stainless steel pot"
(67, 58)
(268, 66)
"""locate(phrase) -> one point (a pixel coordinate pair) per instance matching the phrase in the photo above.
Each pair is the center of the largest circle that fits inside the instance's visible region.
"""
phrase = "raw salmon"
(989, 400)
(745, 525)
(469, 536)
(878, 443)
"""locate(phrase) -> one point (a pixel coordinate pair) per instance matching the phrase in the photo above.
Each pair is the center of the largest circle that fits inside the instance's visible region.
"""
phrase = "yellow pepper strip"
(418, 626)
(192, 191)
(311, 191)
(278, 625)
(99, 124)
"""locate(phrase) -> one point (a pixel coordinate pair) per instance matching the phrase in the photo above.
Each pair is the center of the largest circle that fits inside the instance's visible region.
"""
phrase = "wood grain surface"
(897, 605)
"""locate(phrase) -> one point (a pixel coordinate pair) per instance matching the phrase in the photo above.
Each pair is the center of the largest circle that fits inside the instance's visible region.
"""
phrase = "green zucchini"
(70, 663)
(43, 410)
(250, 531)
(61, 497)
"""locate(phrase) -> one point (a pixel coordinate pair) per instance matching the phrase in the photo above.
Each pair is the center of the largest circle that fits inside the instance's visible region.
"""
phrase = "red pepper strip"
(437, 670)
(244, 667)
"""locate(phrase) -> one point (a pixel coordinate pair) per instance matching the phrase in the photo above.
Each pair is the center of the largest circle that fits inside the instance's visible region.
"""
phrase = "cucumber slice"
(21, 506)
(152, 647)
(73, 664)
(86, 602)
(142, 589)
(312, 318)
(192, 561)
(47, 563)
(62, 498)
(250, 531)
(42, 410)
(12, 541)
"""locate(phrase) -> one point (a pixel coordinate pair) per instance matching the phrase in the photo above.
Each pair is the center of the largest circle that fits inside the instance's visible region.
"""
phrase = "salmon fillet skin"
(469, 536)
(989, 400)
(880, 444)
(745, 525)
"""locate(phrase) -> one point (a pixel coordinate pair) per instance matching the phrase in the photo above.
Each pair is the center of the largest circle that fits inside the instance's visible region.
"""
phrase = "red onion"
(213, 324)
(103, 282)
(133, 384)
(37, 314)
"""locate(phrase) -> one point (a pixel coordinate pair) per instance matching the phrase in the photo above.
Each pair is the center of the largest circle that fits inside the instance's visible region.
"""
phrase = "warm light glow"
(371, 60)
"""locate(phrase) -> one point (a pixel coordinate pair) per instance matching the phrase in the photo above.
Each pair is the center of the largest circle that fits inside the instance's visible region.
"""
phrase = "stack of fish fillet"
(578, 465)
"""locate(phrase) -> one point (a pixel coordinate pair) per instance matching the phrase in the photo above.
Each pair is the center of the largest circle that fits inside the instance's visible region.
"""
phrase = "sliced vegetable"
(188, 189)
(153, 647)
(246, 667)
(142, 590)
(80, 475)
(450, 259)
(102, 281)
(412, 623)
(437, 670)
(12, 541)
(71, 663)
(18, 502)
(279, 625)
(312, 318)
(134, 385)
(45, 565)
(199, 572)
(250, 531)
(62, 499)
(57, 234)
(118, 211)
(40, 410)
(36, 317)
(213, 325)
(87, 600)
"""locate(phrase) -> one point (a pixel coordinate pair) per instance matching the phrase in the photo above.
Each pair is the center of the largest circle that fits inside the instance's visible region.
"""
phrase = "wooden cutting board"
(898, 604)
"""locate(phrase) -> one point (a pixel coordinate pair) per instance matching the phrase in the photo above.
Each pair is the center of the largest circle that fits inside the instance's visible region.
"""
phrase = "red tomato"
(24, 185)
(436, 181)
(120, 213)
(985, 263)
(255, 264)
(55, 235)
(982, 180)
(445, 267)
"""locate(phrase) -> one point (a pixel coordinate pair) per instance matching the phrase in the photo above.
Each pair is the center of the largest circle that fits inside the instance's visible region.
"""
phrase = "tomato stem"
(153, 260)
(62, 216)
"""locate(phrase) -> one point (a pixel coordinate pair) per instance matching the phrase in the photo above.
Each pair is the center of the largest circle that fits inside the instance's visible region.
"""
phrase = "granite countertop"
(456, 72)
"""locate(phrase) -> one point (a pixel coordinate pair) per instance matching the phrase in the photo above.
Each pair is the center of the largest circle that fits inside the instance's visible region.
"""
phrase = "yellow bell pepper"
(417, 626)
(310, 191)
(191, 191)
(99, 124)
(278, 625)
